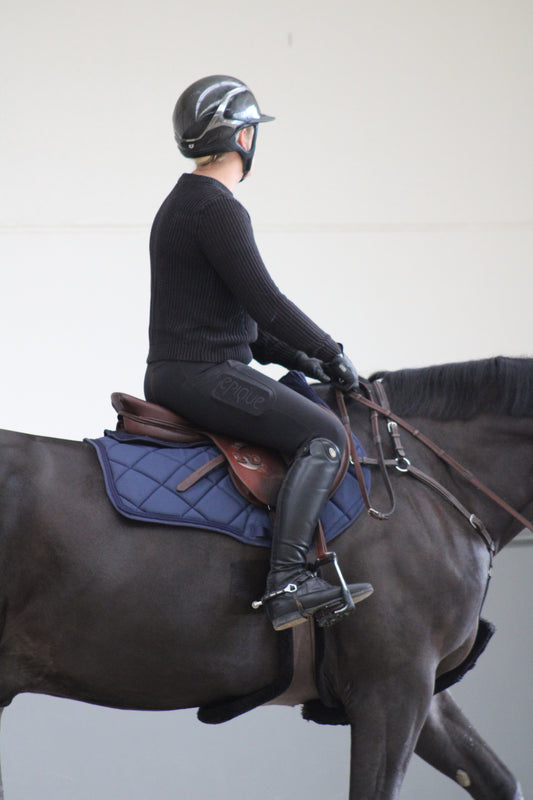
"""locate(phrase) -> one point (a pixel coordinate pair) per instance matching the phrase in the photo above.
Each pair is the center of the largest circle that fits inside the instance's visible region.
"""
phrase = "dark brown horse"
(115, 612)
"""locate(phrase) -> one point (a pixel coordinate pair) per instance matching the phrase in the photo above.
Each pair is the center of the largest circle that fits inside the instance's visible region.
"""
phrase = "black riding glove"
(342, 372)
(312, 367)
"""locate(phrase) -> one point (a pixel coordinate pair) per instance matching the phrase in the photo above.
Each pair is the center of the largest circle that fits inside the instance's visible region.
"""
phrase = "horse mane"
(459, 391)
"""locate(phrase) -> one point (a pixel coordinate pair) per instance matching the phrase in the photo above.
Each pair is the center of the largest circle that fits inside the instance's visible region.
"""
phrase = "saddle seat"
(256, 471)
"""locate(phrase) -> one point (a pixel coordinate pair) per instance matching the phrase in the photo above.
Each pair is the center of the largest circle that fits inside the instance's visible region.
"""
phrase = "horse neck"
(498, 450)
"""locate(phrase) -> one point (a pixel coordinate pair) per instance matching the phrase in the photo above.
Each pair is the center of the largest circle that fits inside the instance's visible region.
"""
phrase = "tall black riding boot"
(293, 593)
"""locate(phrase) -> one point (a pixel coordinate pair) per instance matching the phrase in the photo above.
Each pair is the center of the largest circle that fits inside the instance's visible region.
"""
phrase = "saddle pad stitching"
(338, 513)
(203, 494)
(162, 483)
(203, 521)
(161, 486)
(192, 514)
(172, 466)
(212, 484)
(196, 513)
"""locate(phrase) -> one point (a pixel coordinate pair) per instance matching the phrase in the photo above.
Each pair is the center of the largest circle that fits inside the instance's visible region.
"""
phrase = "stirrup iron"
(332, 613)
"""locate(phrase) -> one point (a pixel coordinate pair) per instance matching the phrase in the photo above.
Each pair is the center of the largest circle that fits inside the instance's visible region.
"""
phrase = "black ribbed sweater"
(211, 295)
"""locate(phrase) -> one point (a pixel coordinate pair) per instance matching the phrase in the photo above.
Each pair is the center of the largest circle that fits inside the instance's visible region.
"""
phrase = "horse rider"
(213, 308)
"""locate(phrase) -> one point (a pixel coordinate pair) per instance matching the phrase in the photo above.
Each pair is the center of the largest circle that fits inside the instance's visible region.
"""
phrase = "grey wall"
(399, 168)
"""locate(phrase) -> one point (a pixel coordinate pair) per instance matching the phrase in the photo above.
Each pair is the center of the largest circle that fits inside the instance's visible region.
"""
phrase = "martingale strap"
(356, 461)
(444, 456)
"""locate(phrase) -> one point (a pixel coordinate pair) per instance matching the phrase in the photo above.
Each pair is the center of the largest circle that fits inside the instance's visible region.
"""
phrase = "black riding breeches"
(237, 400)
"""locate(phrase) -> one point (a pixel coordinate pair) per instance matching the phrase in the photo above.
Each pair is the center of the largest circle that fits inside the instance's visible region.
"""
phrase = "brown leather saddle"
(257, 472)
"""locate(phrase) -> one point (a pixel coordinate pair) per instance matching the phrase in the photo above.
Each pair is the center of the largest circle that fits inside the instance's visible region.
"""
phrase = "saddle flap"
(257, 472)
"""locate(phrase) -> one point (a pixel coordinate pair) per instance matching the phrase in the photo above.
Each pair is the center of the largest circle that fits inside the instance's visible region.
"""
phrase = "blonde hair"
(203, 161)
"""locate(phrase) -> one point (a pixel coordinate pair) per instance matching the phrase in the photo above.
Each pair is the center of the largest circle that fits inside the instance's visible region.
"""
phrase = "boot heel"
(282, 608)
(289, 620)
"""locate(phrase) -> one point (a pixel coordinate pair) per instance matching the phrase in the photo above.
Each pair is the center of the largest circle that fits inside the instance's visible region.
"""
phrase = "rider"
(214, 307)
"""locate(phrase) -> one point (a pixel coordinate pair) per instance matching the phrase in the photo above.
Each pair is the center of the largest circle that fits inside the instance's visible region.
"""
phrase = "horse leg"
(1, 783)
(386, 715)
(450, 743)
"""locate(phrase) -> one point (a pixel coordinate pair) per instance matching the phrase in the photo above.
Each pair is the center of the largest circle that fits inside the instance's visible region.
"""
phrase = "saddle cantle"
(257, 472)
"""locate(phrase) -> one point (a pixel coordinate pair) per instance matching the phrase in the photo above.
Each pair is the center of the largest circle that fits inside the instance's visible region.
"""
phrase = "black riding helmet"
(209, 115)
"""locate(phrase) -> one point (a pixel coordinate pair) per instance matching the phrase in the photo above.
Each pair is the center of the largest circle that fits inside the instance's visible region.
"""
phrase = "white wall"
(391, 199)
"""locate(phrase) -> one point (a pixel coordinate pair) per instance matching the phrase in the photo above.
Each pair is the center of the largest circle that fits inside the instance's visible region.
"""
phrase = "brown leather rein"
(402, 463)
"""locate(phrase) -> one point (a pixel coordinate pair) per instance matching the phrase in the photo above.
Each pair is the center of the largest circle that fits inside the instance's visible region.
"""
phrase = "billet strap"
(195, 476)
(444, 456)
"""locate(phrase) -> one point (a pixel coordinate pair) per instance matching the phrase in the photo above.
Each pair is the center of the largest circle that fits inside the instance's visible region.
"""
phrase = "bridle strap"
(356, 461)
(442, 454)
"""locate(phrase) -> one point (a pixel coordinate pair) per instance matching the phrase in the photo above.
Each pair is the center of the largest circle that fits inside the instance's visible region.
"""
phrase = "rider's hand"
(312, 367)
(341, 372)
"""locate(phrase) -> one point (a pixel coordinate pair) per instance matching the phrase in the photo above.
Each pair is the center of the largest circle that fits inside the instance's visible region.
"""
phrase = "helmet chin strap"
(247, 156)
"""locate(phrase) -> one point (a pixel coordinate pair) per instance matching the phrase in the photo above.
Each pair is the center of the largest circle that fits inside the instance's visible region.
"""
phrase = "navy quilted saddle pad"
(141, 475)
